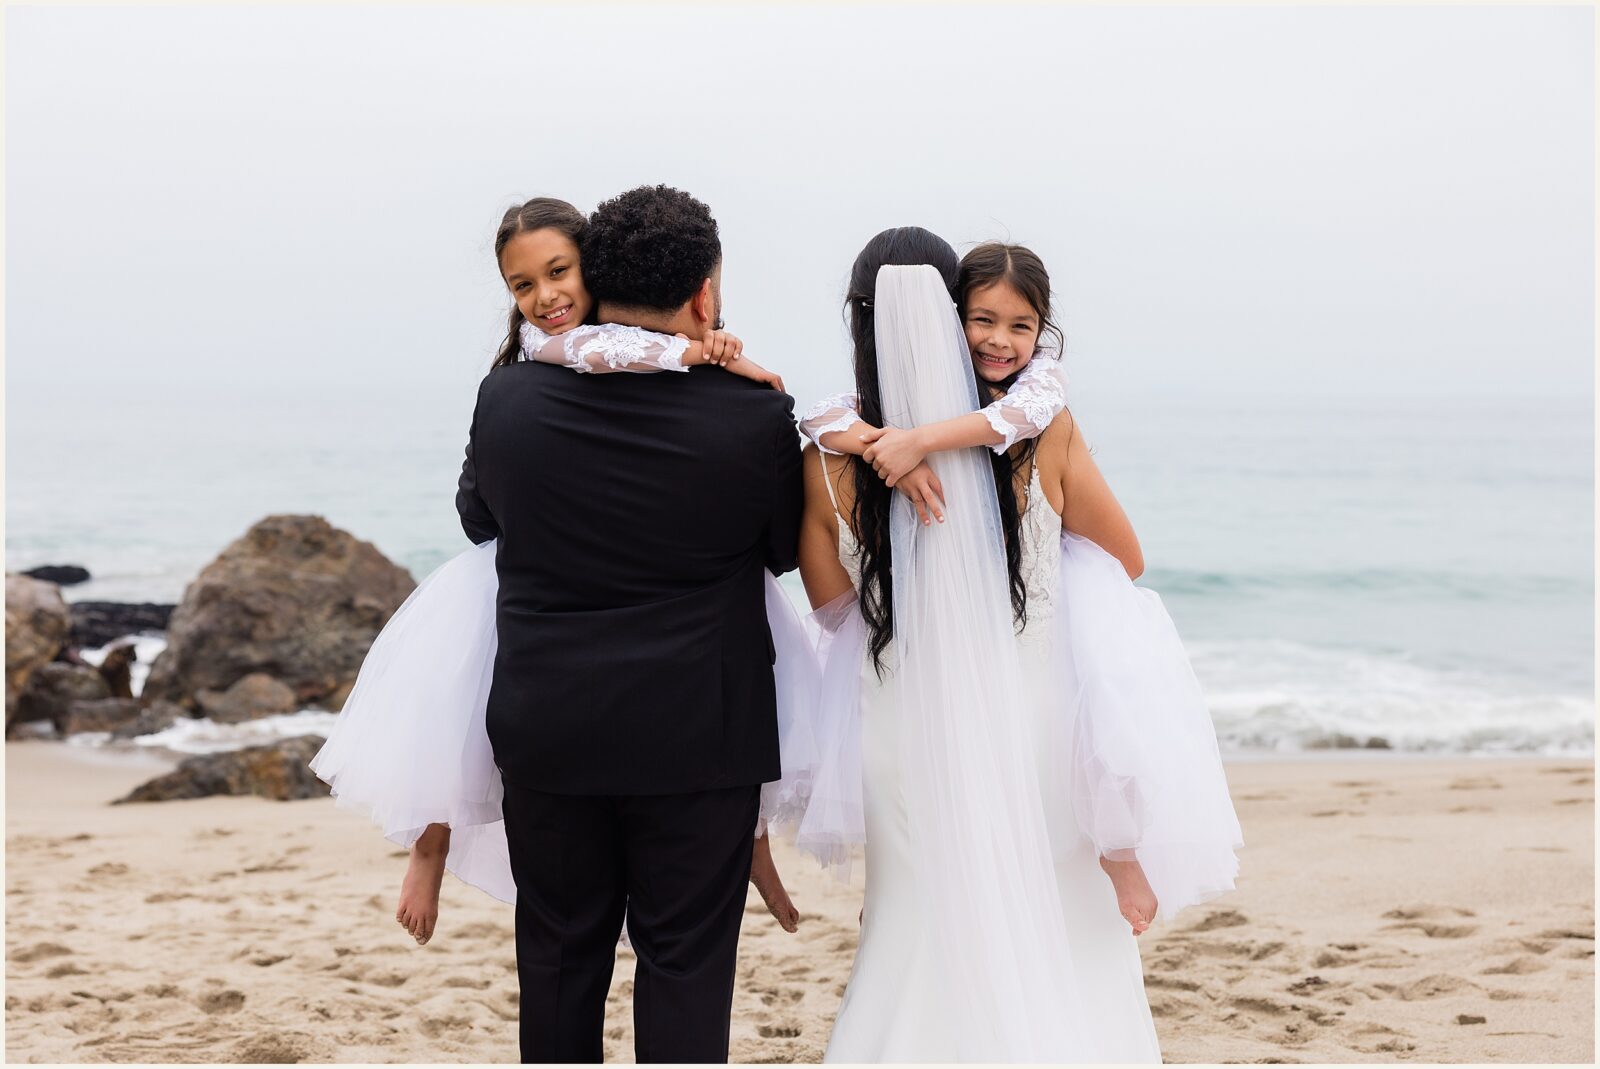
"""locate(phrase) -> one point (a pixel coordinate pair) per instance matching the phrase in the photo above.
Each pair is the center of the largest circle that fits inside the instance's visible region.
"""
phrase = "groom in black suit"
(632, 709)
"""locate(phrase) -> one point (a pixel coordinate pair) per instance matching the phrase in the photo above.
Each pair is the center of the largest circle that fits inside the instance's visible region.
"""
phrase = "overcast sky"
(1252, 200)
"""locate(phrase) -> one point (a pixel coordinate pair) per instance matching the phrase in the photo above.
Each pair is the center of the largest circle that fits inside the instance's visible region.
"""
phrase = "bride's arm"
(824, 577)
(1089, 508)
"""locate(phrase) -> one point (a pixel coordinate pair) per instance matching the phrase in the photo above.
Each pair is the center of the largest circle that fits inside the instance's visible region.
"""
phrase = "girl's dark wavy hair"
(1020, 268)
(906, 246)
(540, 213)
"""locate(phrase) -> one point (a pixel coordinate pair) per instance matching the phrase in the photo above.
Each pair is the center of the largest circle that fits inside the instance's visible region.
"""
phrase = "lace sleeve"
(1036, 398)
(836, 413)
(604, 348)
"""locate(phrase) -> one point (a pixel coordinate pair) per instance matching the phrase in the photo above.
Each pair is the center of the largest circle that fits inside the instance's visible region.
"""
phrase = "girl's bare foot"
(764, 874)
(418, 911)
(1135, 900)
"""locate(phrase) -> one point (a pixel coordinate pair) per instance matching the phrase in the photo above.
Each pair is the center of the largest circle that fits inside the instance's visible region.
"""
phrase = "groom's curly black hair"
(649, 248)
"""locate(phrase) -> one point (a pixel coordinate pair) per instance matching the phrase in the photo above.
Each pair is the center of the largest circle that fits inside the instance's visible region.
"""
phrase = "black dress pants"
(678, 864)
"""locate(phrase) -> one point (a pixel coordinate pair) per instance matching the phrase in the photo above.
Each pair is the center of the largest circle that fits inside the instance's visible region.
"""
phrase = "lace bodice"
(1041, 553)
(1035, 399)
(605, 347)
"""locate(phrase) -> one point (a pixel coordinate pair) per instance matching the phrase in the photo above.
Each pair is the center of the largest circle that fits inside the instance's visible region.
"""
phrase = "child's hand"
(749, 369)
(893, 452)
(921, 485)
(721, 348)
(717, 347)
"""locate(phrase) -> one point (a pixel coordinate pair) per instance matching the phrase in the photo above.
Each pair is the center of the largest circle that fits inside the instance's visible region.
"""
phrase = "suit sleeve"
(476, 518)
(783, 530)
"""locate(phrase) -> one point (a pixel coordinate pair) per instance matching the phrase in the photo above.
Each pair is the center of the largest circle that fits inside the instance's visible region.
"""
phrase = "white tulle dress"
(1132, 734)
(1089, 648)
(410, 749)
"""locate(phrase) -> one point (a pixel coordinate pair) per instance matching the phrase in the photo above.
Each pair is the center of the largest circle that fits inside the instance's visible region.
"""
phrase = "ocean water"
(1417, 571)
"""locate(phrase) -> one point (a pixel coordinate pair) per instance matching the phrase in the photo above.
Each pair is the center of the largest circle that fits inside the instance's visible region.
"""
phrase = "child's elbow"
(1133, 562)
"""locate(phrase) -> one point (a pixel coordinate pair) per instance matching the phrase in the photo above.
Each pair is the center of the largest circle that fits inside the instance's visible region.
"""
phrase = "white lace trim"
(609, 347)
(1035, 400)
(835, 413)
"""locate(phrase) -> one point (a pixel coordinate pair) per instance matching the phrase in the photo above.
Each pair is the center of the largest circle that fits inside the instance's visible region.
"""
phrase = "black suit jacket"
(636, 514)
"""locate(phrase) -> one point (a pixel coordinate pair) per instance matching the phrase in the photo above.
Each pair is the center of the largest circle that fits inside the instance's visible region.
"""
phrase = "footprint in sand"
(1432, 921)
(778, 1031)
(1521, 966)
(1475, 783)
(109, 868)
(1436, 986)
(40, 951)
(225, 1001)
(1224, 918)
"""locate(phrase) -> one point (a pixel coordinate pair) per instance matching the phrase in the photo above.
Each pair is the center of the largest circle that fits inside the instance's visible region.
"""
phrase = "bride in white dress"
(990, 931)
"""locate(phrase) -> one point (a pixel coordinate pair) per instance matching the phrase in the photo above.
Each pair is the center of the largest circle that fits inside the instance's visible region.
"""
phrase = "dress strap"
(827, 480)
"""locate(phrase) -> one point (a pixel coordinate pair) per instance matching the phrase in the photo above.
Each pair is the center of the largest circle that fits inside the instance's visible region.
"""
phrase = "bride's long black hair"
(906, 246)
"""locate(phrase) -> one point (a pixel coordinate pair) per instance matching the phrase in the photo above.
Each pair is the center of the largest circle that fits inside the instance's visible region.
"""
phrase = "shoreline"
(1380, 902)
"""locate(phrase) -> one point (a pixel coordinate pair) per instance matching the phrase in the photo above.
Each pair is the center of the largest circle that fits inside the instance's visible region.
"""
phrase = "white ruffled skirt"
(410, 748)
(1134, 746)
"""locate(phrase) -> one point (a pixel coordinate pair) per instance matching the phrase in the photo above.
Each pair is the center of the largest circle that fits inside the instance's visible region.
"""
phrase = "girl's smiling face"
(1002, 331)
(542, 271)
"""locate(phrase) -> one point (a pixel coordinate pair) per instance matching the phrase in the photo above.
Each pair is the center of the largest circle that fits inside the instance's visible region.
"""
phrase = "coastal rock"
(295, 598)
(158, 716)
(101, 714)
(277, 771)
(37, 622)
(53, 689)
(98, 623)
(256, 695)
(64, 574)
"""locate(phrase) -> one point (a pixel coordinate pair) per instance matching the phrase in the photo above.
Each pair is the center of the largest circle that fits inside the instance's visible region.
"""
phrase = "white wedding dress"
(893, 1008)
(987, 771)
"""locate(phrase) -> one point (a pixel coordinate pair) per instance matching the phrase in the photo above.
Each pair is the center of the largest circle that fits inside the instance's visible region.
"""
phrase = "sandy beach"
(1393, 909)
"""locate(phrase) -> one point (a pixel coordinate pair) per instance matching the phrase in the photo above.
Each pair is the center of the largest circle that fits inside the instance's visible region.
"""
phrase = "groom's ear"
(704, 303)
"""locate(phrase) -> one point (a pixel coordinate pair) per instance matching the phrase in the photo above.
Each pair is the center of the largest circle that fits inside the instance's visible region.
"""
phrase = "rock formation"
(278, 771)
(53, 689)
(97, 623)
(256, 695)
(37, 622)
(295, 599)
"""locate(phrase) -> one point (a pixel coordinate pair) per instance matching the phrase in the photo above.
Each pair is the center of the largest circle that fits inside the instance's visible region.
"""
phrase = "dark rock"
(64, 574)
(36, 627)
(102, 714)
(278, 771)
(1336, 741)
(1378, 742)
(256, 695)
(53, 688)
(99, 623)
(295, 598)
(117, 670)
(158, 716)
(1470, 1018)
